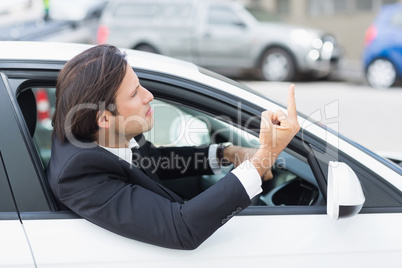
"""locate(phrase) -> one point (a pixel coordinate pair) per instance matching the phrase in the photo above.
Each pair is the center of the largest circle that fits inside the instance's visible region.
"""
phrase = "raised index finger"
(292, 112)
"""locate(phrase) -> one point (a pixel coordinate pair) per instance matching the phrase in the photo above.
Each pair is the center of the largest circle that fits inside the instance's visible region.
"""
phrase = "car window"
(396, 20)
(175, 11)
(176, 127)
(142, 10)
(294, 183)
(224, 16)
(376, 196)
(45, 102)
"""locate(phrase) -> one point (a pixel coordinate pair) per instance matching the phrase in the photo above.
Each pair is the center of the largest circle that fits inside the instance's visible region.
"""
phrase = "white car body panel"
(277, 241)
(14, 246)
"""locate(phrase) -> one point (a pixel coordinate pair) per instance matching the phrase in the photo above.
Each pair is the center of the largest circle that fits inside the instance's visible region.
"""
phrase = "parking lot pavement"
(368, 116)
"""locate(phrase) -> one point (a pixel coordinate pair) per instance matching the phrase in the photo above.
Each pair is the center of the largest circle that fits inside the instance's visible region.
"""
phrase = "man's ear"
(104, 119)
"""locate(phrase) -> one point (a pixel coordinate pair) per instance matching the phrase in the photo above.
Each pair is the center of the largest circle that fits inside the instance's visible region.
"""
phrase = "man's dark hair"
(86, 85)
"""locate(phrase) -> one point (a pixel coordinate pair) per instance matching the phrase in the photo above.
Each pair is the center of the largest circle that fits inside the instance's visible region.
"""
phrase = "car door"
(14, 245)
(223, 38)
(278, 233)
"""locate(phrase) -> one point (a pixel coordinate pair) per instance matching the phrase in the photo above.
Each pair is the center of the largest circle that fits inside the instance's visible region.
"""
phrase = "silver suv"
(219, 35)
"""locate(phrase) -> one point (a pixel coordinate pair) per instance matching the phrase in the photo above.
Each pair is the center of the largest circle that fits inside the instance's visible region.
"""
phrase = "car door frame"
(227, 245)
(14, 245)
(209, 95)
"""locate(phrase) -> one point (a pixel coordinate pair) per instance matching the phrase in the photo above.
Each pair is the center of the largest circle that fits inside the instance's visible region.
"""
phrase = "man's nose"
(148, 97)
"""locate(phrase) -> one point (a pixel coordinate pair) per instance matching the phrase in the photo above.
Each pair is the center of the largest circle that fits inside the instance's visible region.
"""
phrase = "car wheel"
(381, 73)
(146, 48)
(277, 65)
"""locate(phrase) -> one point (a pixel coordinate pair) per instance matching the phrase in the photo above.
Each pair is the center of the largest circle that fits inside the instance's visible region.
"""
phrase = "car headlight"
(314, 55)
(317, 43)
(327, 50)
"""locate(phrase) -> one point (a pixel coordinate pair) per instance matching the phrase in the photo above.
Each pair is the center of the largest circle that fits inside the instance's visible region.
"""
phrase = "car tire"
(146, 48)
(381, 73)
(277, 64)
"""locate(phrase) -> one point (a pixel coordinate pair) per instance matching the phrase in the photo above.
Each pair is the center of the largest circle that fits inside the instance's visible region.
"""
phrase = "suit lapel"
(146, 167)
(144, 164)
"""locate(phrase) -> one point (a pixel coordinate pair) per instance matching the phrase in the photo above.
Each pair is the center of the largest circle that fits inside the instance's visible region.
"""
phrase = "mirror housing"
(345, 196)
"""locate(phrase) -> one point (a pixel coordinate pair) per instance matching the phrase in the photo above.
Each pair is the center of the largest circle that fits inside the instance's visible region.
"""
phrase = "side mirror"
(345, 194)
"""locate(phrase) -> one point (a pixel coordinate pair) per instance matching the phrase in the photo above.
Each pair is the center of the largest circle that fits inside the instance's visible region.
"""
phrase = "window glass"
(221, 15)
(396, 20)
(293, 184)
(174, 126)
(263, 15)
(137, 11)
(45, 102)
(177, 11)
(177, 125)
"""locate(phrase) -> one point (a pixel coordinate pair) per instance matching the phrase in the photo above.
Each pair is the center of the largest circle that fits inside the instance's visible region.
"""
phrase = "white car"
(331, 203)
(75, 11)
(220, 35)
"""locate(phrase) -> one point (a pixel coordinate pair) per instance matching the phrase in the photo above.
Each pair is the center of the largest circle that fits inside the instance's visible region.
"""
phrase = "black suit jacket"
(108, 191)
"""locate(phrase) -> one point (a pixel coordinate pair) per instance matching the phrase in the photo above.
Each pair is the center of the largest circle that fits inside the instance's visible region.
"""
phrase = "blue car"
(383, 48)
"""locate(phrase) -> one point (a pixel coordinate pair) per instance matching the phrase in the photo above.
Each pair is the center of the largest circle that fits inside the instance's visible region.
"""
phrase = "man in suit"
(98, 170)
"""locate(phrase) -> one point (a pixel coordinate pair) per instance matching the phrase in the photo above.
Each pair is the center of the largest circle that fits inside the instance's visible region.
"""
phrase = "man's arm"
(276, 131)
(177, 162)
(122, 199)
(237, 155)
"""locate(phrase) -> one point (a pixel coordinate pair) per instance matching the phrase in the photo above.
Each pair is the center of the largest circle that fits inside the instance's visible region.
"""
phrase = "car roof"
(62, 52)
(50, 51)
(392, 7)
(388, 10)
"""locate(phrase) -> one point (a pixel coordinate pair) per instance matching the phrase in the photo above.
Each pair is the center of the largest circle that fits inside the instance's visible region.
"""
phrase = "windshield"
(262, 15)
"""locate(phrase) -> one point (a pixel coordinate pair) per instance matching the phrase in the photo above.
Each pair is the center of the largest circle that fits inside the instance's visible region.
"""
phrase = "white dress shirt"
(245, 172)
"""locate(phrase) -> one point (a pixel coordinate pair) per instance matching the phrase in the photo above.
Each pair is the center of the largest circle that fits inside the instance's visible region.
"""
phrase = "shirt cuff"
(213, 160)
(249, 178)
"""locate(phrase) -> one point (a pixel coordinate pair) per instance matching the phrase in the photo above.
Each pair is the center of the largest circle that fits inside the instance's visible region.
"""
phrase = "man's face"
(135, 116)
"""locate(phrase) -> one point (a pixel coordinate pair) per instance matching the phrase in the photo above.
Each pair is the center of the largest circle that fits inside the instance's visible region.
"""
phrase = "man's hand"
(276, 131)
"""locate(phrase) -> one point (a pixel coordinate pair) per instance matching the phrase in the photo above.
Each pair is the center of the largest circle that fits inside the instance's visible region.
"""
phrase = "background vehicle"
(287, 224)
(28, 21)
(222, 36)
(76, 11)
(383, 52)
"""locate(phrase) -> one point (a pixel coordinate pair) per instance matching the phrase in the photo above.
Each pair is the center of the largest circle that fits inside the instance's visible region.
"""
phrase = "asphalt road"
(367, 116)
